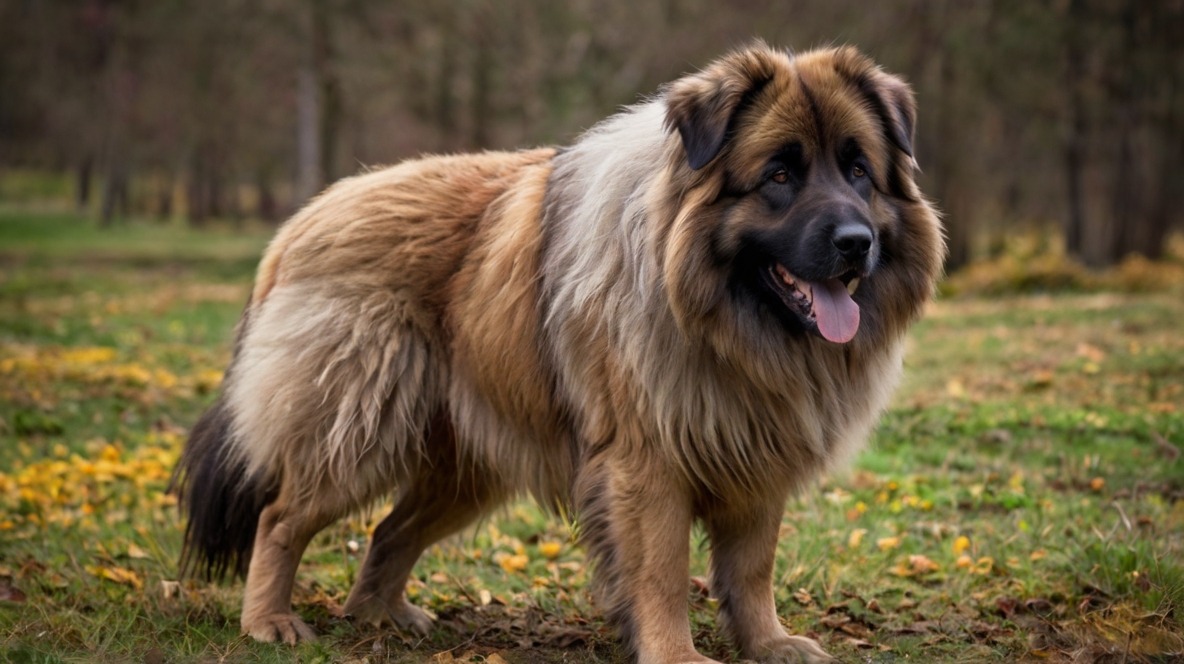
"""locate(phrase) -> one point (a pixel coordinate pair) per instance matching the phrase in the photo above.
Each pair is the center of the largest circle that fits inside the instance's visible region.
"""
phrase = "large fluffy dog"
(686, 315)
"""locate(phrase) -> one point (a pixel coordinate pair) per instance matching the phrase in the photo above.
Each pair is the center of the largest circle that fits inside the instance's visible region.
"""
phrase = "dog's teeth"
(785, 275)
(852, 285)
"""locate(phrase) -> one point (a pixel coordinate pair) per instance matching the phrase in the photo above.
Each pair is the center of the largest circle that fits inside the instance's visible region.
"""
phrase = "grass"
(1023, 499)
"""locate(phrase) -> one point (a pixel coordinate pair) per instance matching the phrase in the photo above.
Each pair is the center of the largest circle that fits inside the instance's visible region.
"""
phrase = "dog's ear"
(889, 96)
(898, 108)
(701, 106)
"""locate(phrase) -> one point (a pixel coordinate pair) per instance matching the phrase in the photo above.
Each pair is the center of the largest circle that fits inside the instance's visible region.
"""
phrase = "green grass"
(1042, 429)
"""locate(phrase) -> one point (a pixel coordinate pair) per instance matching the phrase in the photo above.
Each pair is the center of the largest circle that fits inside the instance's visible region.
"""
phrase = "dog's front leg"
(635, 518)
(743, 546)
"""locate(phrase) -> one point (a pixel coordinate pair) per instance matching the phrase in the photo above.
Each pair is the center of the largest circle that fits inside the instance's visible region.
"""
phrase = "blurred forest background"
(1061, 116)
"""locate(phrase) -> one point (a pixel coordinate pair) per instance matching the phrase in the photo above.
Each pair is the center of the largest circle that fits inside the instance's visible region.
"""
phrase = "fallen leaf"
(922, 564)
(983, 565)
(1166, 449)
(117, 574)
(1038, 605)
(961, 544)
(169, 589)
(1090, 352)
(512, 562)
(803, 597)
(855, 629)
(9, 592)
(888, 543)
(550, 549)
(856, 538)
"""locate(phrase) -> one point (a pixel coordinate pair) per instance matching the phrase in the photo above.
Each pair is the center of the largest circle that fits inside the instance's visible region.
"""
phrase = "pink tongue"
(834, 310)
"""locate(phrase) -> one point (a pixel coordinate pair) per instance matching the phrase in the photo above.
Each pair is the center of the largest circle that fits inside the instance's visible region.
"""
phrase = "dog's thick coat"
(647, 328)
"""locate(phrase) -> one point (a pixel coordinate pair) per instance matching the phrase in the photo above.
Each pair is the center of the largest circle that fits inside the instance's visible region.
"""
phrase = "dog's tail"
(221, 501)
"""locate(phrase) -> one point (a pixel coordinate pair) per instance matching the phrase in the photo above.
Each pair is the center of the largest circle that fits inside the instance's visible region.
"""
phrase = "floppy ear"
(888, 95)
(896, 105)
(701, 106)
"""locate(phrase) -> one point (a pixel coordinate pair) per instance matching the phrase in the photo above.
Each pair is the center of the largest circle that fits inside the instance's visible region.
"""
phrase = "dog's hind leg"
(285, 529)
(439, 500)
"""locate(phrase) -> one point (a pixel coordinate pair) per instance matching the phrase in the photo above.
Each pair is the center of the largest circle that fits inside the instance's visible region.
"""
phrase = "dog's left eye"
(780, 177)
(857, 171)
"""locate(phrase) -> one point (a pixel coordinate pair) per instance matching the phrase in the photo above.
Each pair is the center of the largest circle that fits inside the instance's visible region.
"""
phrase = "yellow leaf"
(961, 544)
(1097, 484)
(512, 562)
(136, 552)
(550, 549)
(1038, 554)
(983, 565)
(888, 543)
(963, 562)
(118, 575)
(856, 538)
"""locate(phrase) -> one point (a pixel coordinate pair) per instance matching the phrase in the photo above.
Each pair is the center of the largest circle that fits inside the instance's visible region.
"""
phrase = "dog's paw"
(794, 650)
(284, 627)
(400, 613)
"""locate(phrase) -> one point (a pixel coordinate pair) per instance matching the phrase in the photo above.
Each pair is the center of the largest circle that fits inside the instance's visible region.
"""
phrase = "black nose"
(853, 240)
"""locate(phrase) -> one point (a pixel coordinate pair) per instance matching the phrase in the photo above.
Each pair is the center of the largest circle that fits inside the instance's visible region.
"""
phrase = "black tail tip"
(220, 501)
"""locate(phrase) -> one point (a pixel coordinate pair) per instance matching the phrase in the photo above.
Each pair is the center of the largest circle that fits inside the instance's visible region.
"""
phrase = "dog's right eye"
(780, 177)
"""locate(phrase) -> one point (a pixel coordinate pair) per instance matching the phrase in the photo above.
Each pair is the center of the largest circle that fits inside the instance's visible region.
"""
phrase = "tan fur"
(467, 329)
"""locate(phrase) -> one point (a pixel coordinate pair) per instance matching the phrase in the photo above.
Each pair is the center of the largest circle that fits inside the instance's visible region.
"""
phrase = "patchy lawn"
(1023, 498)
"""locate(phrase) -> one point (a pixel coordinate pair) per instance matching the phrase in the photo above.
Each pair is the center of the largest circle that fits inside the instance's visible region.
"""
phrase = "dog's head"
(804, 165)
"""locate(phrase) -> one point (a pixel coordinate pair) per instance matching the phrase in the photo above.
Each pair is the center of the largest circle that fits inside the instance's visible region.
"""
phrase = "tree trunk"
(1075, 220)
(115, 194)
(949, 170)
(309, 178)
(1166, 200)
(444, 111)
(266, 209)
(195, 191)
(481, 74)
(1126, 213)
(164, 197)
(325, 67)
(82, 191)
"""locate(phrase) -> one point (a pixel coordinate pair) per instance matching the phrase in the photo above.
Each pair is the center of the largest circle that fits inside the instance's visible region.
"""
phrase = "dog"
(686, 316)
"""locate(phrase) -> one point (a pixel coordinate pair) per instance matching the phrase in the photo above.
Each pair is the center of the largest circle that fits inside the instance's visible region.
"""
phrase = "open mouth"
(826, 304)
